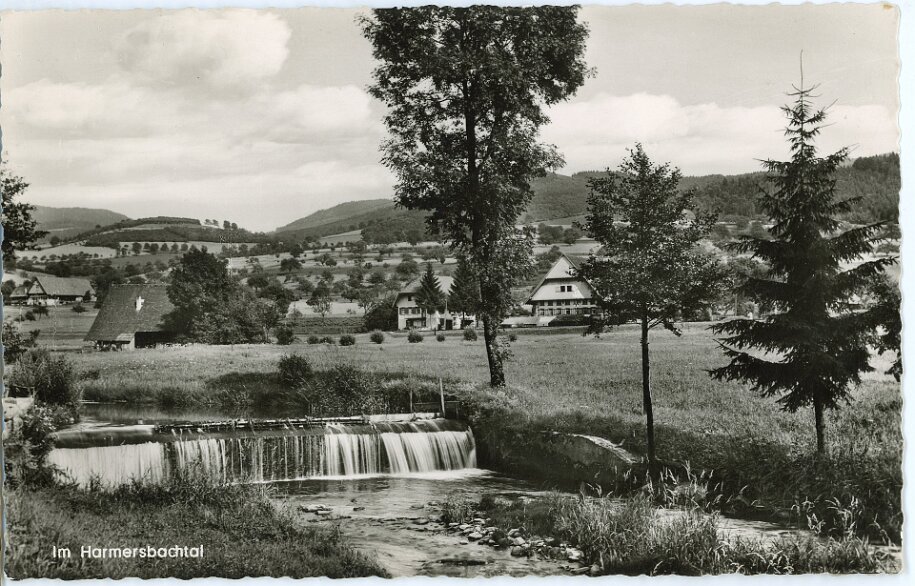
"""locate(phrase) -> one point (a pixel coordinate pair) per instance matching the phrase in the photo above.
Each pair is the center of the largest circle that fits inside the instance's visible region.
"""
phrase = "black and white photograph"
(452, 290)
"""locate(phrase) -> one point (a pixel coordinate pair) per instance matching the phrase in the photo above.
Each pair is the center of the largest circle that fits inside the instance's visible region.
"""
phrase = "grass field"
(62, 328)
(242, 533)
(568, 382)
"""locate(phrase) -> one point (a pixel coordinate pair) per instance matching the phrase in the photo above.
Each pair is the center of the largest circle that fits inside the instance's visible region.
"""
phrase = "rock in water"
(475, 536)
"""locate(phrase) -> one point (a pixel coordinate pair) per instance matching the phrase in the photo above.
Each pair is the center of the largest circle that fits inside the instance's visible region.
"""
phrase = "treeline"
(405, 226)
(126, 224)
(175, 234)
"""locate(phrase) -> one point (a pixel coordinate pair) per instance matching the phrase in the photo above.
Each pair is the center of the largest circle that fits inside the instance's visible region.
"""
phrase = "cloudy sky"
(261, 117)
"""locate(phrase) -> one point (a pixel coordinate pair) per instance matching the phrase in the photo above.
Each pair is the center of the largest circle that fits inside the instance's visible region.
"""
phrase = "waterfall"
(246, 456)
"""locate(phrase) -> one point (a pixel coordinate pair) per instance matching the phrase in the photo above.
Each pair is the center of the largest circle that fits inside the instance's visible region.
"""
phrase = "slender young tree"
(466, 90)
(813, 347)
(20, 229)
(650, 270)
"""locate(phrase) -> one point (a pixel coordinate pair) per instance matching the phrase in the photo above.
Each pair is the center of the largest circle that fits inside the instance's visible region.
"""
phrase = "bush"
(470, 334)
(347, 340)
(285, 335)
(78, 308)
(15, 344)
(313, 339)
(377, 337)
(29, 315)
(52, 378)
(27, 447)
(513, 337)
(328, 340)
(414, 337)
(440, 337)
(294, 370)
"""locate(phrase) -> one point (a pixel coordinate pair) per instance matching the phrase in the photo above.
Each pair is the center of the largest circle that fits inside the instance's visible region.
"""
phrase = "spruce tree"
(464, 291)
(429, 297)
(813, 347)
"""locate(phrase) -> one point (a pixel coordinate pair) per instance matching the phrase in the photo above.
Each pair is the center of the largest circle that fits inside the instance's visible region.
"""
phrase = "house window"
(409, 298)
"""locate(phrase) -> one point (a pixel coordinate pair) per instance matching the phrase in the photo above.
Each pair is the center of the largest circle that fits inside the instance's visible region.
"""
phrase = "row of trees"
(466, 90)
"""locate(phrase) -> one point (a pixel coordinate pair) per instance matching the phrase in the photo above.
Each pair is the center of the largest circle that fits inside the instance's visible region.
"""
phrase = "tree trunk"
(646, 396)
(496, 372)
(820, 424)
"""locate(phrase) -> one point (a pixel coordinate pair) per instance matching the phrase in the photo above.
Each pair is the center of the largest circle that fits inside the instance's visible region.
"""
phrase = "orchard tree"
(650, 270)
(813, 347)
(320, 299)
(20, 229)
(466, 90)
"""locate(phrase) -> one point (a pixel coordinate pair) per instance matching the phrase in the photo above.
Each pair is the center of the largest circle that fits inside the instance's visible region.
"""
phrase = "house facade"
(561, 292)
(132, 316)
(51, 290)
(411, 317)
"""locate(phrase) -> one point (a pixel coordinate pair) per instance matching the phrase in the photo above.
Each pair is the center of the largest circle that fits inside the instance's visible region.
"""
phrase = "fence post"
(441, 394)
(411, 399)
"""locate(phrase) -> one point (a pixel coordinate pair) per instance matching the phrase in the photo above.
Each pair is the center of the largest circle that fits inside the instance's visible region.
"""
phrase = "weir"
(119, 455)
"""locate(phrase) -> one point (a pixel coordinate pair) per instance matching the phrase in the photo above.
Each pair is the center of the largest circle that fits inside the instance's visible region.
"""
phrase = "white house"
(561, 292)
(410, 316)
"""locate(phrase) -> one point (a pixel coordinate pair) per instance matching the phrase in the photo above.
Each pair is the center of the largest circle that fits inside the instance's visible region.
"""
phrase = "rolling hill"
(68, 222)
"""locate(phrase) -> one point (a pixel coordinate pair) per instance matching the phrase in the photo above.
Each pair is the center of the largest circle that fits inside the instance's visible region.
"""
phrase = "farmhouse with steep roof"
(132, 316)
(51, 290)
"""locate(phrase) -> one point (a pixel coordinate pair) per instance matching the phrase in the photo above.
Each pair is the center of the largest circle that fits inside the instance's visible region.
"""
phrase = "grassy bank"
(631, 536)
(241, 532)
(761, 458)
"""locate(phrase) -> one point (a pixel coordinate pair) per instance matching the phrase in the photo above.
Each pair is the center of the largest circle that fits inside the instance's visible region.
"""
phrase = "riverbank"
(759, 460)
(241, 532)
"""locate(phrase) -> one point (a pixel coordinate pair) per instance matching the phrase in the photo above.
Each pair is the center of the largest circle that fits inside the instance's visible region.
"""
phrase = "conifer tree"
(813, 347)
(429, 297)
(464, 289)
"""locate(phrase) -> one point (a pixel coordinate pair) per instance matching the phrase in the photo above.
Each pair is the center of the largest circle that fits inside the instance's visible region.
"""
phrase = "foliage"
(328, 340)
(465, 292)
(285, 335)
(52, 377)
(313, 339)
(26, 449)
(376, 337)
(320, 298)
(466, 89)
(347, 340)
(78, 308)
(429, 297)
(439, 337)
(382, 316)
(816, 344)
(470, 334)
(650, 271)
(198, 286)
(414, 337)
(886, 316)
(294, 370)
(20, 229)
(14, 343)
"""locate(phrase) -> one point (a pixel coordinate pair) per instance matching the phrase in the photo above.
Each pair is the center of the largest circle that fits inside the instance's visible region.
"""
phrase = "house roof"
(20, 292)
(60, 286)
(550, 276)
(129, 309)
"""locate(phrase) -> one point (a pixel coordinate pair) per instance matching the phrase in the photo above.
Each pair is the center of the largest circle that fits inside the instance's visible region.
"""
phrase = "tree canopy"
(20, 230)
(466, 90)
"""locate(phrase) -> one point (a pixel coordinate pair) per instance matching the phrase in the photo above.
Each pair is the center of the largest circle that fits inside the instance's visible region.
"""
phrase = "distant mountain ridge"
(875, 179)
(68, 222)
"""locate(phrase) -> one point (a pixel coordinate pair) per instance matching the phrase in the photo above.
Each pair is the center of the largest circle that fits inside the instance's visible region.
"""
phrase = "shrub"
(414, 337)
(328, 340)
(440, 337)
(313, 339)
(15, 344)
(285, 335)
(377, 337)
(513, 337)
(470, 334)
(347, 340)
(53, 379)
(27, 447)
(294, 370)
(78, 308)
(29, 315)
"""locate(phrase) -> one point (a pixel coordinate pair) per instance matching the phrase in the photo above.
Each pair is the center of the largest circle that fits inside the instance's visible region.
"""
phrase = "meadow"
(762, 460)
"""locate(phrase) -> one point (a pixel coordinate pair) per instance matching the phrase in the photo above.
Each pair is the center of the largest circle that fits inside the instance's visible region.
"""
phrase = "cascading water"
(270, 455)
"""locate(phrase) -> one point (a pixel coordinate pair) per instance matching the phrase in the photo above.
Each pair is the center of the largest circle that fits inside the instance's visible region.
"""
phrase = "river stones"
(421, 521)
(475, 536)
(580, 571)
(573, 555)
(518, 552)
(314, 508)
(519, 541)
(595, 570)
(358, 508)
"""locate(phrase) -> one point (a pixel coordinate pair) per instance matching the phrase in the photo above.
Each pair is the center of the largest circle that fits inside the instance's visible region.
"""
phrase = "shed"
(132, 316)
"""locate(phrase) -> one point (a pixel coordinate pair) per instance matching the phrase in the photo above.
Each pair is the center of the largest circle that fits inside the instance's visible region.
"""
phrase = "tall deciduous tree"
(20, 229)
(813, 347)
(650, 271)
(198, 284)
(466, 90)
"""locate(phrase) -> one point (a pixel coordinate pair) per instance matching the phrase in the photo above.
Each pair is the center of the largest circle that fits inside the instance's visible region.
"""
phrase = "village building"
(561, 292)
(19, 296)
(411, 317)
(132, 316)
(51, 290)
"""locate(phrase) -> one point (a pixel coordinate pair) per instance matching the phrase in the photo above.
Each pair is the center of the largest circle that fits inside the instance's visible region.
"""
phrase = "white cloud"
(700, 138)
(226, 49)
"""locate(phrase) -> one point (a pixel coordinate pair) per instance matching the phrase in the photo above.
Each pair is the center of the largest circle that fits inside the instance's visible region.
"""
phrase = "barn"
(51, 290)
(132, 316)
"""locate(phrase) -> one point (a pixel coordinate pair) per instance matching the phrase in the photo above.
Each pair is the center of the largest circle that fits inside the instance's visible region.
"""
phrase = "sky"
(262, 117)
